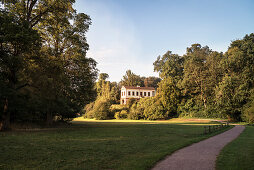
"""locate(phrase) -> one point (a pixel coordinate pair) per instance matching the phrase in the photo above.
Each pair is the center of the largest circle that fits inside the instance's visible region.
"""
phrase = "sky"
(131, 34)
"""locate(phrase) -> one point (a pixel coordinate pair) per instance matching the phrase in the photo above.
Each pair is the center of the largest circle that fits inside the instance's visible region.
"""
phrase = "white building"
(128, 92)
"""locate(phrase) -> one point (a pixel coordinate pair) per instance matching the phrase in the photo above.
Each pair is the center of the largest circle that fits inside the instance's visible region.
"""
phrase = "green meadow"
(239, 154)
(88, 144)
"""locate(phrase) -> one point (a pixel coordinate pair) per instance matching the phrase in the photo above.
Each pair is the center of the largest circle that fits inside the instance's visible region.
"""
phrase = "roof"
(140, 88)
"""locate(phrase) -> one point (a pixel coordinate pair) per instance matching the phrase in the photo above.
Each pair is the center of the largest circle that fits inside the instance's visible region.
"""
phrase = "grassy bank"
(89, 144)
(239, 154)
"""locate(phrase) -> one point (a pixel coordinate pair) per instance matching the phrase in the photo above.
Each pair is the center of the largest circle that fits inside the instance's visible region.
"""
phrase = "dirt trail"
(201, 155)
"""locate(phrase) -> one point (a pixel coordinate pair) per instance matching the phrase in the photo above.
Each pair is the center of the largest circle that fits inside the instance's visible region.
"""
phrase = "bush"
(148, 108)
(121, 115)
(248, 113)
(98, 110)
(101, 110)
(130, 102)
(134, 113)
(117, 108)
(88, 108)
(155, 110)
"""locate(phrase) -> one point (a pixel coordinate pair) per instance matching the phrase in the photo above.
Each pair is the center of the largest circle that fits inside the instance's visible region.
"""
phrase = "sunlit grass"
(90, 144)
(170, 121)
(239, 154)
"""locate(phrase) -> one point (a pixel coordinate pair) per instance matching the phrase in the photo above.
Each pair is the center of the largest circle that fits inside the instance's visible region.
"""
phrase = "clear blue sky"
(131, 34)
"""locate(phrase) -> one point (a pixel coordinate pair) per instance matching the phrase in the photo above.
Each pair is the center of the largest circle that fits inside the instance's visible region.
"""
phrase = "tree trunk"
(49, 119)
(5, 124)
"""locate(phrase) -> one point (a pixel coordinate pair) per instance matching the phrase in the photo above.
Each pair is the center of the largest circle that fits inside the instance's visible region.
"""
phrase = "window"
(129, 93)
(133, 93)
(148, 93)
(122, 101)
(124, 93)
(141, 94)
(144, 93)
(153, 93)
(137, 93)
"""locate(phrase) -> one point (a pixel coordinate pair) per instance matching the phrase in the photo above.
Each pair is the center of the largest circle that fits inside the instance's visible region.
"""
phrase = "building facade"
(128, 92)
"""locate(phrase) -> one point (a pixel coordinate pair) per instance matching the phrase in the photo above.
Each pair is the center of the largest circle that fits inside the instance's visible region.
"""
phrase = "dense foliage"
(43, 65)
(209, 84)
(201, 83)
(131, 79)
(108, 93)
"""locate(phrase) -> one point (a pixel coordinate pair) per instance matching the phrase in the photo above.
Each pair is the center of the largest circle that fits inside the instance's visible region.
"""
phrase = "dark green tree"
(131, 79)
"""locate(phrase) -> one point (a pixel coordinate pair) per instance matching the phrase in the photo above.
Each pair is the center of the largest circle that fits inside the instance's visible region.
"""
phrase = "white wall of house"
(135, 93)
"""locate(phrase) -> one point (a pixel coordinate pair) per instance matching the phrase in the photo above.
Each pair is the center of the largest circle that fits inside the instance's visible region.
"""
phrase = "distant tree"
(151, 82)
(106, 89)
(169, 95)
(131, 79)
(169, 65)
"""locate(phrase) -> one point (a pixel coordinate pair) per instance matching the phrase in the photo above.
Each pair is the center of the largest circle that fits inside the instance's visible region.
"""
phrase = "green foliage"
(135, 113)
(44, 68)
(148, 108)
(205, 83)
(131, 79)
(169, 65)
(106, 89)
(151, 82)
(248, 113)
(155, 110)
(101, 110)
(169, 95)
(121, 115)
(130, 102)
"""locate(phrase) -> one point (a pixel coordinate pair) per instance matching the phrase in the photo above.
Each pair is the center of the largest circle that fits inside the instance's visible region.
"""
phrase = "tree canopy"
(43, 65)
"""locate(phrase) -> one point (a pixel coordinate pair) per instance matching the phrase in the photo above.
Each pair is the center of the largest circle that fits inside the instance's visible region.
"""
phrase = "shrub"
(148, 108)
(89, 107)
(98, 110)
(101, 110)
(155, 110)
(248, 112)
(121, 115)
(117, 108)
(134, 113)
(130, 102)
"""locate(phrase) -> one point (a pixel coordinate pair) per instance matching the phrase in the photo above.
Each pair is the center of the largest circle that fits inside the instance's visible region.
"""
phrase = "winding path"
(201, 155)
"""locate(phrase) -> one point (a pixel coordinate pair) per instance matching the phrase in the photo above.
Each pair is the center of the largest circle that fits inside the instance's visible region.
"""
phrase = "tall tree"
(59, 72)
(18, 43)
(169, 65)
(131, 79)
(195, 74)
(151, 82)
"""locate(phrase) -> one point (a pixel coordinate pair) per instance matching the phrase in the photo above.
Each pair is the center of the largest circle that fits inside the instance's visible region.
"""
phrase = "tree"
(131, 79)
(169, 65)
(18, 43)
(195, 74)
(58, 71)
(151, 82)
(169, 95)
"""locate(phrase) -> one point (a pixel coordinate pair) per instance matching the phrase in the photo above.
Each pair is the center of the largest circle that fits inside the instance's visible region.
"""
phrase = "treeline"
(201, 83)
(106, 105)
(44, 71)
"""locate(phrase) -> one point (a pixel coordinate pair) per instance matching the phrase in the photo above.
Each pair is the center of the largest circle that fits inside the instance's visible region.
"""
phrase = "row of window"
(137, 93)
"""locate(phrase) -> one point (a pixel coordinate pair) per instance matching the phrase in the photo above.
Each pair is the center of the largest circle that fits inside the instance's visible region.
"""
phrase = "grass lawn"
(98, 144)
(239, 154)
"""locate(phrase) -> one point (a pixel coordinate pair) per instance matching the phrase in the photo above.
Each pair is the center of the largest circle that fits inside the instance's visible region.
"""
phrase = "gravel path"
(201, 155)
